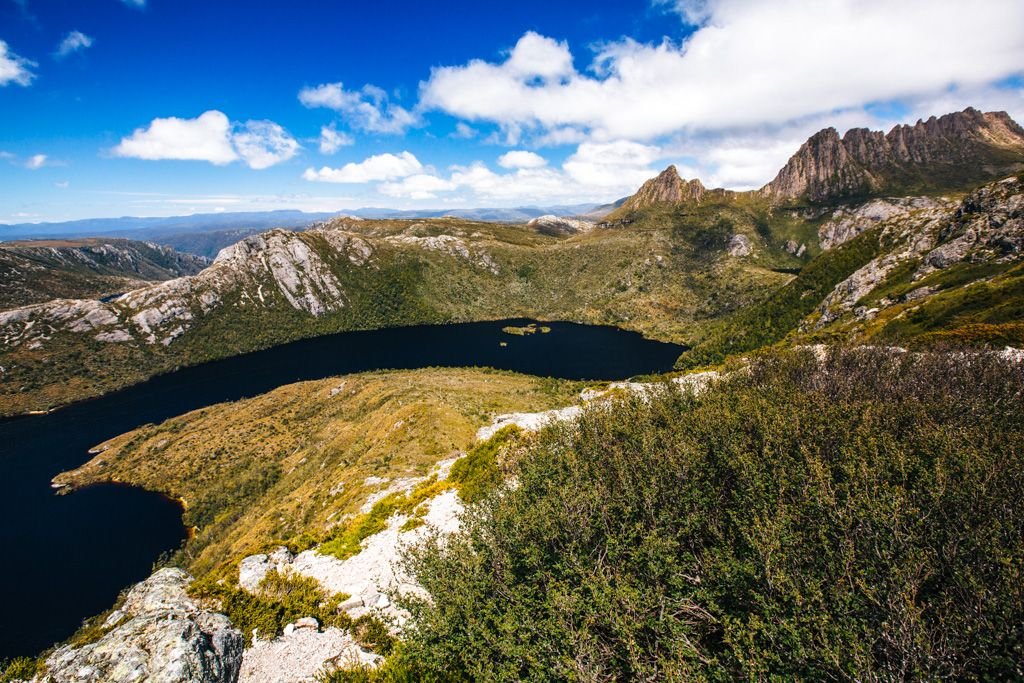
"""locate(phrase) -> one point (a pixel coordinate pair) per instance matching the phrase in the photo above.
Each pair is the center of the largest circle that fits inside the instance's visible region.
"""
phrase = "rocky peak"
(668, 187)
(947, 152)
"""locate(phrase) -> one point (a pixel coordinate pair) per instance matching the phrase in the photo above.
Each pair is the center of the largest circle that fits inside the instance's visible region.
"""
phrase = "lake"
(67, 557)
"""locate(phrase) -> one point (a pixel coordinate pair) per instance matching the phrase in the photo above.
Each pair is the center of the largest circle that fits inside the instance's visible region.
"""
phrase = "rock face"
(301, 654)
(986, 227)
(665, 188)
(951, 151)
(159, 635)
(560, 225)
(848, 222)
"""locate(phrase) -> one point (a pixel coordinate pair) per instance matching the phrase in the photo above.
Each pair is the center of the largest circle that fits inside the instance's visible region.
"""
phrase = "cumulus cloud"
(419, 186)
(14, 69)
(595, 172)
(521, 159)
(750, 63)
(368, 109)
(378, 167)
(464, 131)
(210, 137)
(204, 138)
(73, 42)
(331, 140)
(262, 144)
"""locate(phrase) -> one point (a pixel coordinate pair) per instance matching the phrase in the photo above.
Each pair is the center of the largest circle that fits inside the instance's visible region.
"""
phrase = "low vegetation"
(280, 599)
(294, 466)
(18, 669)
(858, 518)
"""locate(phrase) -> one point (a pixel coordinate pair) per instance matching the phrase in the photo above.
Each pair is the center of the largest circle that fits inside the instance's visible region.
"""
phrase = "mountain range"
(878, 464)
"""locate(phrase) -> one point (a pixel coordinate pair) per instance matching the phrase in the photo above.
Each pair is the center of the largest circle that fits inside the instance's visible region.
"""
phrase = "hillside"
(287, 466)
(40, 270)
(723, 272)
(663, 279)
(918, 272)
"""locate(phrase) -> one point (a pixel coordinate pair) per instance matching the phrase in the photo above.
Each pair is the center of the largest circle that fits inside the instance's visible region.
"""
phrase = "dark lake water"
(66, 557)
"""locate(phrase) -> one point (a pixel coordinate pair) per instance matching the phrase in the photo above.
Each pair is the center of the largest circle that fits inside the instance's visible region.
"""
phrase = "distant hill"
(40, 270)
(205, 234)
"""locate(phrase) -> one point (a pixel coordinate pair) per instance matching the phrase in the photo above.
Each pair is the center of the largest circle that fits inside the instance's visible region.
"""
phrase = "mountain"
(722, 272)
(187, 233)
(37, 271)
(665, 188)
(661, 278)
(941, 154)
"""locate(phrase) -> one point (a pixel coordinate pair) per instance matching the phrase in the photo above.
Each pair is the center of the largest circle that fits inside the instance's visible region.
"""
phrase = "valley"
(707, 434)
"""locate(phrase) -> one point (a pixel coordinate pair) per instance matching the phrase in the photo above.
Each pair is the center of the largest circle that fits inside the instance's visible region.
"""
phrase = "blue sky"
(163, 107)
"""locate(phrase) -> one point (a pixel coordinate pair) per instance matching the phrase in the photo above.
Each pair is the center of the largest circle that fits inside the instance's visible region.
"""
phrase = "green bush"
(858, 519)
(18, 669)
(281, 599)
(477, 473)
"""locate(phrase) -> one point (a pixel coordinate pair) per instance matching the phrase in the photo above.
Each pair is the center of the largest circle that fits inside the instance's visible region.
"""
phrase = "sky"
(172, 107)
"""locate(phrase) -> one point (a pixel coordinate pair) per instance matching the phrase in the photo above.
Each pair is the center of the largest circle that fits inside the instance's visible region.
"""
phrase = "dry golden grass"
(288, 465)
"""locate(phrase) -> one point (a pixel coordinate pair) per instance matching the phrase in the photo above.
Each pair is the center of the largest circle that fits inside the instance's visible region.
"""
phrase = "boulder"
(159, 635)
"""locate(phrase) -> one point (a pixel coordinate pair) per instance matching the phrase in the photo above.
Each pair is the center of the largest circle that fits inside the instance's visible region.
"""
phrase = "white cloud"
(331, 140)
(205, 138)
(419, 186)
(751, 63)
(73, 42)
(464, 131)
(35, 162)
(596, 172)
(521, 159)
(14, 69)
(621, 165)
(62, 185)
(378, 167)
(368, 109)
(210, 137)
(135, 3)
(262, 144)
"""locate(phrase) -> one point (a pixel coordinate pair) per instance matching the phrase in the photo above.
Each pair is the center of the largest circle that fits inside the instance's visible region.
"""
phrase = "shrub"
(477, 473)
(281, 599)
(858, 518)
(18, 669)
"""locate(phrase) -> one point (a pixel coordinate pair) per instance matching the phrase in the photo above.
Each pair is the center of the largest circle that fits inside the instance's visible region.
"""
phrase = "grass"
(478, 472)
(291, 466)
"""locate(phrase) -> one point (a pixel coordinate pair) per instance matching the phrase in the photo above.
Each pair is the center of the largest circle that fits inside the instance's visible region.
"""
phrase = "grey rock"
(159, 635)
(739, 245)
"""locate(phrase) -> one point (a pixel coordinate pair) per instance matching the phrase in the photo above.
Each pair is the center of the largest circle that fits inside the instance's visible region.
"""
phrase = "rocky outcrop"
(665, 188)
(276, 268)
(559, 225)
(159, 635)
(794, 248)
(986, 227)
(949, 152)
(848, 222)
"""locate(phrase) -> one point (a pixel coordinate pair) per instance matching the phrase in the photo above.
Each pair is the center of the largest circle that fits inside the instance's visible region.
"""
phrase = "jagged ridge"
(948, 152)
